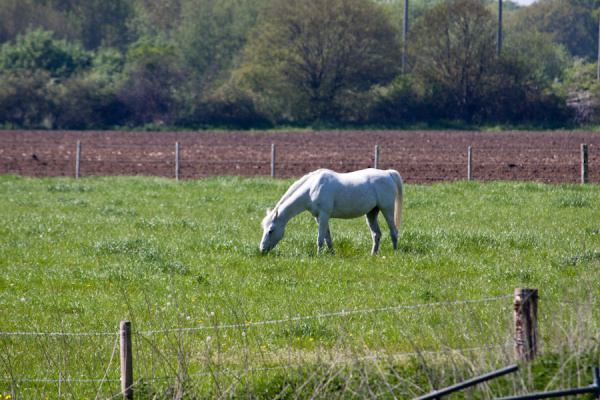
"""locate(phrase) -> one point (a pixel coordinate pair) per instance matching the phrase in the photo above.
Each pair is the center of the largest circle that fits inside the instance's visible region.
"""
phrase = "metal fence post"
(584, 164)
(470, 164)
(273, 160)
(177, 160)
(525, 315)
(376, 157)
(78, 159)
(126, 361)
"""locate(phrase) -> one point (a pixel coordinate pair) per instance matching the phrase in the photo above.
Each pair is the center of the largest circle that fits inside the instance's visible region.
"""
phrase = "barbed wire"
(250, 324)
(333, 314)
(183, 144)
(188, 157)
(576, 303)
(297, 162)
(62, 173)
(59, 333)
(292, 319)
(275, 368)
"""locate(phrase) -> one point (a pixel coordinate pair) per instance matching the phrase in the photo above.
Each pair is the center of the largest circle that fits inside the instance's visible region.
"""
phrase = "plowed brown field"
(419, 156)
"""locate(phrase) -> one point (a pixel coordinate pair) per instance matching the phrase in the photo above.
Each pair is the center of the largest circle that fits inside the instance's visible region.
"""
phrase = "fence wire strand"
(250, 324)
(283, 367)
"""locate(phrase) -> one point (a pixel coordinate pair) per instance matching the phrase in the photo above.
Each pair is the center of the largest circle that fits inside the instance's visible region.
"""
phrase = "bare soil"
(419, 156)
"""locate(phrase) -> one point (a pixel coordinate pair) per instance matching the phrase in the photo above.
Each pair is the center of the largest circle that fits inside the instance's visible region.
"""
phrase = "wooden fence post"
(126, 361)
(273, 160)
(584, 164)
(525, 315)
(470, 164)
(177, 161)
(376, 157)
(78, 159)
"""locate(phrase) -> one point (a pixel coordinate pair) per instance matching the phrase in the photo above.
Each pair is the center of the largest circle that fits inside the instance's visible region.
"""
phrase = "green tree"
(546, 59)
(305, 53)
(16, 16)
(153, 76)
(453, 48)
(89, 100)
(26, 98)
(155, 17)
(563, 22)
(212, 33)
(581, 88)
(38, 50)
(97, 22)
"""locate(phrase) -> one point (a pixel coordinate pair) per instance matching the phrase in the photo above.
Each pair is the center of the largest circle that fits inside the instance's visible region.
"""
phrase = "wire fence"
(191, 161)
(244, 328)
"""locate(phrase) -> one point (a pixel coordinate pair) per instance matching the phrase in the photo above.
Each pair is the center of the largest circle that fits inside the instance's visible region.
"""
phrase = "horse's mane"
(287, 195)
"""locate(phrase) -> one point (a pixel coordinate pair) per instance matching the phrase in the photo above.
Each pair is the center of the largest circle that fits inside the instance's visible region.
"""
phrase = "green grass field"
(79, 256)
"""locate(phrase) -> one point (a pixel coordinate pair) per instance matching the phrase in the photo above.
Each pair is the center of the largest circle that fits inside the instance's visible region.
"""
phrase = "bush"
(152, 78)
(27, 99)
(227, 107)
(38, 50)
(87, 104)
(582, 91)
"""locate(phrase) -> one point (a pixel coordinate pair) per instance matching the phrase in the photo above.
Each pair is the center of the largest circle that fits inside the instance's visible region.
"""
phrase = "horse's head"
(273, 231)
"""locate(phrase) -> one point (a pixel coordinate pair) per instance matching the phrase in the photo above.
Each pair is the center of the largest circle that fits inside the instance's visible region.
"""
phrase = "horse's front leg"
(324, 235)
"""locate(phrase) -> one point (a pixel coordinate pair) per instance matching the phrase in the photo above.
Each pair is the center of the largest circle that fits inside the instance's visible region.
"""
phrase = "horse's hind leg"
(389, 218)
(375, 231)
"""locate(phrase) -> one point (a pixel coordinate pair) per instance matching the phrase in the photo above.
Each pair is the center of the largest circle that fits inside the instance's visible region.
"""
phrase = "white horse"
(328, 194)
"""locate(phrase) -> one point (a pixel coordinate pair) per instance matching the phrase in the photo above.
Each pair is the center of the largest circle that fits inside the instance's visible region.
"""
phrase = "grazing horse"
(328, 194)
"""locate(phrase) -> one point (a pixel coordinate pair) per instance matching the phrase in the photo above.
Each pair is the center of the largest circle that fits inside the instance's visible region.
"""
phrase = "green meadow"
(214, 318)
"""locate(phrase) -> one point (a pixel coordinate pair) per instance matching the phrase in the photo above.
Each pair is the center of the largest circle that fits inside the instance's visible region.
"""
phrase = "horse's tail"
(399, 192)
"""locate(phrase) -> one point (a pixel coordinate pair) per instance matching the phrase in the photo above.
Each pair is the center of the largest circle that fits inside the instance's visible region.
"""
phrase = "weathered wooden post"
(470, 164)
(177, 161)
(126, 361)
(273, 160)
(525, 315)
(78, 159)
(584, 164)
(376, 157)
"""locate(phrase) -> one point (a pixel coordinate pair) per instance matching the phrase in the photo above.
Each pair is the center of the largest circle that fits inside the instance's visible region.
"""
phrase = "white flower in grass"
(243, 333)
(208, 339)
(22, 298)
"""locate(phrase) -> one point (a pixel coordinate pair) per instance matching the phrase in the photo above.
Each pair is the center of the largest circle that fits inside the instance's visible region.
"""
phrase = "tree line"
(101, 64)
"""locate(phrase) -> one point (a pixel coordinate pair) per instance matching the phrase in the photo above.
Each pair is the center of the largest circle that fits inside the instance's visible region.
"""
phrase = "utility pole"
(499, 43)
(405, 33)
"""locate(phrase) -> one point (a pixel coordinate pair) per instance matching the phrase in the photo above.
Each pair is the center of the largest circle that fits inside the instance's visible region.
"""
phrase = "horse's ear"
(268, 211)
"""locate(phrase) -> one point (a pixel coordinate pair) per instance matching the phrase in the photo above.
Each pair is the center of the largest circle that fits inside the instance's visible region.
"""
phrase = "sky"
(524, 2)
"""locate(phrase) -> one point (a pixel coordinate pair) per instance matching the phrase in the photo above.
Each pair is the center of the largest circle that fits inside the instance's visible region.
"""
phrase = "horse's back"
(350, 195)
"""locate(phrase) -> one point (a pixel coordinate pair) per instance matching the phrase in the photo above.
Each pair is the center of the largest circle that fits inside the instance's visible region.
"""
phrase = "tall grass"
(78, 256)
